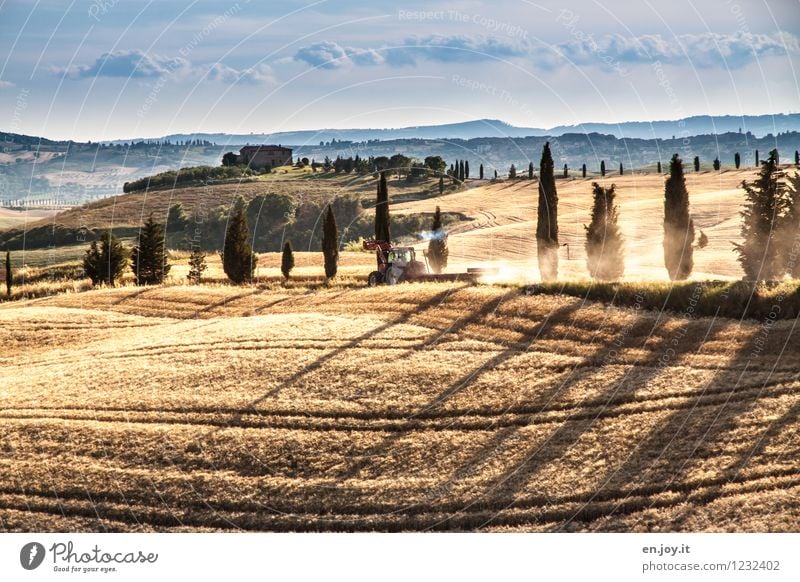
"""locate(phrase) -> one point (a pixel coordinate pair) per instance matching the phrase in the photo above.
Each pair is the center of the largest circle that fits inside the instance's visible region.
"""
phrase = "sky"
(116, 69)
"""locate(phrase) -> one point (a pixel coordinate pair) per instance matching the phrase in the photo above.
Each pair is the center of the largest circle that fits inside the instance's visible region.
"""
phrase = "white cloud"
(127, 64)
(702, 50)
(6, 84)
(136, 64)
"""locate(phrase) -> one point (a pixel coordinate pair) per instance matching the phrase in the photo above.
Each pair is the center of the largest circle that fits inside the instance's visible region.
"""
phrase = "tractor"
(400, 264)
(395, 264)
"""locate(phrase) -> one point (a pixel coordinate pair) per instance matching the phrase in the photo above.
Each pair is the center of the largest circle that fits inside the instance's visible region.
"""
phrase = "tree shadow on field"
(135, 295)
(640, 326)
(662, 354)
(663, 460)
(555, 317)
(488, 308)
(410, 312)
(224, 302)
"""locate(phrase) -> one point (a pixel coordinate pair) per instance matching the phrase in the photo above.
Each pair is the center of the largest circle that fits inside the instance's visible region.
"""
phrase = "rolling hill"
(416, 408)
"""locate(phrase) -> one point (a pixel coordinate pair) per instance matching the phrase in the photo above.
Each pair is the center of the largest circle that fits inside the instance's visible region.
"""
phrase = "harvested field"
(421, 407)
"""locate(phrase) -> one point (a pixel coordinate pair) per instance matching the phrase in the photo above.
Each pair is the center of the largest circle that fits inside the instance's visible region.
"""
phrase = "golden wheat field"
(420, 407)
(503, 226)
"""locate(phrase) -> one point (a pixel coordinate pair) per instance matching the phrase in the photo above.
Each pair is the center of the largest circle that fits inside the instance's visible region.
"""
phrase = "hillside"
(422, 407)
(491, 223)
(503, 229)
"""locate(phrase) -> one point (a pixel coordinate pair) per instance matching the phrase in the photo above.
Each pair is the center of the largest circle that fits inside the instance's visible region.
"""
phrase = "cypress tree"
(547, 219)
(9, 274)
(604, 242)
(678, 224)
(796, 158)
(697, 163)
(466, 169)
(330, 244)
(441, 184)
(766, 202)
(480, 171)
(737, 160)
(149, 257)
(461, 171)
(620, 169)
(495, 174)
(566, 171)
(512, 171)
(789, 230)
(716, 164)
(238, 259)
(437, 247)
(602, 168)
(583, 170)
(530, 170)
(287, 260)
(658, 167)
(105, 263)
(757, 164)
(197, 264)
(382, 211)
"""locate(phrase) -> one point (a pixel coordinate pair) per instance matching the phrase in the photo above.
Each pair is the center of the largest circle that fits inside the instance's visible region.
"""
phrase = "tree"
(197, 264)
(441, 184)
(466, 169)
(583, 170)
(757, 164)
(678, 224)
(495, 174)
(716, 164)
(737, 160)
(330, 244)
(512, 171)
(602, 168)
(480, 172)
(566, 171)
(789, 230)
(766, 201)
(697, 163)
(436, 163)
(287, 259)
(382, 211)
(238, 259)
(530, 170)
(547, 219)
(604, 242)
(658, 167)
(230, 159)
(177, 221)
(437, 247)
(621, 171)
(105, 263)
(149, 257)
(462, 174)
(9, 274)
(796, 158)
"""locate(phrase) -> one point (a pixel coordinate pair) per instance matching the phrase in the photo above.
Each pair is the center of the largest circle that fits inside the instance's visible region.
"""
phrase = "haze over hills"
(65, 173)
(758, 125)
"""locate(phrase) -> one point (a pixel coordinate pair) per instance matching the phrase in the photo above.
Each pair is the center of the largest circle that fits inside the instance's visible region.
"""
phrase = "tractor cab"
(395, 264)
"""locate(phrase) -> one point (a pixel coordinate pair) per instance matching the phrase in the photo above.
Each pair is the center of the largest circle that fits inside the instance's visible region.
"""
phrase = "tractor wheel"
(375, 278)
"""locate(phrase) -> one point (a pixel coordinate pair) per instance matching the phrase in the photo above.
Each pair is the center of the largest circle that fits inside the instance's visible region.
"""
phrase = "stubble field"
(421, 407)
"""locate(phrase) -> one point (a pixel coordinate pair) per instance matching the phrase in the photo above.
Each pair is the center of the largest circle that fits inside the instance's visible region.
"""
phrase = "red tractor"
(399, 264)
(395, 264)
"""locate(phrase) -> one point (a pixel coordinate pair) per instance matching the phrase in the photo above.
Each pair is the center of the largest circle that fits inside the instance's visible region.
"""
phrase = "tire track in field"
(404, 421)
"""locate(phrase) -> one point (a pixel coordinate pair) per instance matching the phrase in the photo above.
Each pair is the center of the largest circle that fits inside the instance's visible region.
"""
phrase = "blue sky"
(137, 68)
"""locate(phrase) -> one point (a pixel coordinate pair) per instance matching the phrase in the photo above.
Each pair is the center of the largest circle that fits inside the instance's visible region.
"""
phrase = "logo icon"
(31, 555)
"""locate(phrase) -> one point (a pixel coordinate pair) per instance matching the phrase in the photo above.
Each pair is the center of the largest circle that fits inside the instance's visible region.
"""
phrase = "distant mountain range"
(758, 125)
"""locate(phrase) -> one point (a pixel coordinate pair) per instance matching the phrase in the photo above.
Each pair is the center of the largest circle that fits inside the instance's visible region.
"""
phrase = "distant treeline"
(185, 176)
